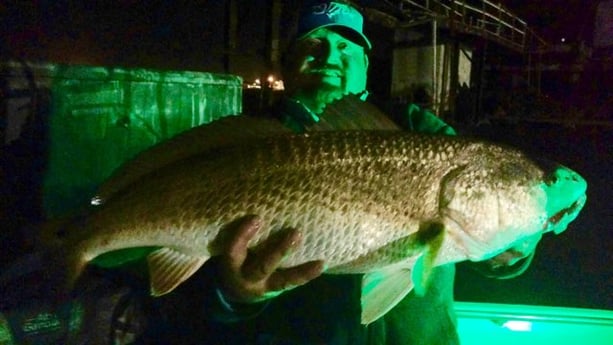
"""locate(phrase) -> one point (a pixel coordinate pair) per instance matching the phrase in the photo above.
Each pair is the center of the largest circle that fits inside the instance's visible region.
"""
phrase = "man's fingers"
(295, 276)
(268, 258)
(238, 247)
(253, 274)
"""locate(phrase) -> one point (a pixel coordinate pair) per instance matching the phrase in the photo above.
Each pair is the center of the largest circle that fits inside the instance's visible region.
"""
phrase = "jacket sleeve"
(424, 121)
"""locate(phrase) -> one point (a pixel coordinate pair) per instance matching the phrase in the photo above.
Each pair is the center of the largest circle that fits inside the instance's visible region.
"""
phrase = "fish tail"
(71, 268)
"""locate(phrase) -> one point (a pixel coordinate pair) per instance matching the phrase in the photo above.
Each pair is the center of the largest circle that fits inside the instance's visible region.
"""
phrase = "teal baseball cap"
(339, 16)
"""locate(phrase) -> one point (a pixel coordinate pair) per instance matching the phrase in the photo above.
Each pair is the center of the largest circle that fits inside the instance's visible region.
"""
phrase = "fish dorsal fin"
(168, 268)
(231, 130)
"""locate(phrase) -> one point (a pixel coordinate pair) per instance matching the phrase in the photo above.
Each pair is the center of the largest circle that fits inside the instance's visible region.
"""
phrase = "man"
(251, 300)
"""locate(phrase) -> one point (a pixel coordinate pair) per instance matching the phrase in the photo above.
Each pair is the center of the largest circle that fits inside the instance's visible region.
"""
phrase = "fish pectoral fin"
(431, 236)
(168, 268)
(421, 274)
(382, 290)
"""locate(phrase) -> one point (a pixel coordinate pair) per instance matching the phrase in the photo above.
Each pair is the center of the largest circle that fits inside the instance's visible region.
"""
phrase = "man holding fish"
(251, 298)
(237, 225)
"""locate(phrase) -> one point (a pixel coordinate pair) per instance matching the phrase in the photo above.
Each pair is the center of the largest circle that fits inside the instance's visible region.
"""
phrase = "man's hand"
(510, 263)
(254, 276)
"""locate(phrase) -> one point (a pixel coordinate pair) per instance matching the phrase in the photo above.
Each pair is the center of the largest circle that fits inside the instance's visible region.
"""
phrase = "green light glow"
(102, 116)
(518, 326)
(5, 333)
(503, 324)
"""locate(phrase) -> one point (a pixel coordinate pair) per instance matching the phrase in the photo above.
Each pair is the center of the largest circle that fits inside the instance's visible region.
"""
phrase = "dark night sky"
(556, 19)
(190, 34)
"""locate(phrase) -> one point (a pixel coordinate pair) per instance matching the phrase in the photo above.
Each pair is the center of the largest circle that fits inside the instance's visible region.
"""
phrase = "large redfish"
(381, 203)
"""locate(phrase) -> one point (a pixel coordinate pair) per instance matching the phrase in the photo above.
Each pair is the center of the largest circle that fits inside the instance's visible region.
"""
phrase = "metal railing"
(479, 17)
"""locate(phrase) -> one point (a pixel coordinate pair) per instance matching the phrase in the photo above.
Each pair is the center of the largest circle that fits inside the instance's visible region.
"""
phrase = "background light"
(518, 326)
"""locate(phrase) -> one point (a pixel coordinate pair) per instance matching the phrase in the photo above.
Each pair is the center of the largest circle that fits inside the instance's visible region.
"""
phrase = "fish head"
(500, 197)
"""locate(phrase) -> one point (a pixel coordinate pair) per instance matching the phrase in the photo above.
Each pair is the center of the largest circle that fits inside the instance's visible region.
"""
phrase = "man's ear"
(366, 61)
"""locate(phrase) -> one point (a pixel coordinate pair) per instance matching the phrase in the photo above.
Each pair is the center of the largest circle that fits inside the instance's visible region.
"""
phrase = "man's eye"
(312, 43)
(343, 46)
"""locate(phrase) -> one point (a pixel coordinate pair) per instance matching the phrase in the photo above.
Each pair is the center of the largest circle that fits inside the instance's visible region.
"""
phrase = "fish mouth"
(566, 195)
(560, 220)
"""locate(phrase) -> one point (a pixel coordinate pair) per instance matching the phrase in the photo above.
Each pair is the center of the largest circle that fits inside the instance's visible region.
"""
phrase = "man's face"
(323, 67)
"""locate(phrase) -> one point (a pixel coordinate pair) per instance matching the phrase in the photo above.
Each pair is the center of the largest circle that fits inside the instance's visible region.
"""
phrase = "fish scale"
(328, 179)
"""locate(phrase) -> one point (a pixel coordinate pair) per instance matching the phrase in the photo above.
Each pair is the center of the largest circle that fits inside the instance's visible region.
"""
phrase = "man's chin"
(318, 97)
(316, 89)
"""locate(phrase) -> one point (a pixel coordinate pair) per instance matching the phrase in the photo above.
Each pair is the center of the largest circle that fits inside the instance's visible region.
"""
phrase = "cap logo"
(331, 10)
(331, 13)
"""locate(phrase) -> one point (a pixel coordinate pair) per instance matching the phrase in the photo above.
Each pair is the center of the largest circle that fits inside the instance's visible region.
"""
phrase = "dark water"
(572, 269)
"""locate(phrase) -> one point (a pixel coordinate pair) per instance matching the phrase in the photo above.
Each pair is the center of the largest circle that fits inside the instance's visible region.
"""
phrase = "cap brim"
(348, 32)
